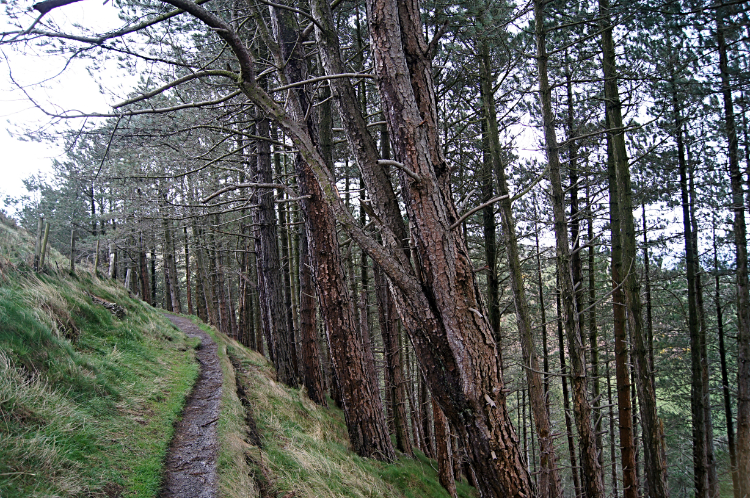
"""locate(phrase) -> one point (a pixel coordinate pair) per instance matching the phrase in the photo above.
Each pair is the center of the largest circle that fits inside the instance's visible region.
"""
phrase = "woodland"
(508, 235)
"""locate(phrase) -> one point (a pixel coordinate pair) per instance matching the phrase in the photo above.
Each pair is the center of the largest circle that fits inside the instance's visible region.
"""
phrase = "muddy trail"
(190, 469)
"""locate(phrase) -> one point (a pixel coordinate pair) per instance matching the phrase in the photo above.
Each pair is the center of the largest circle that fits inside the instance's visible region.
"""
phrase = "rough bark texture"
(273, 318)
(312, 373)
(450, 333)
(440, 308)
(362, 406)
(444, 450)
(394, 375)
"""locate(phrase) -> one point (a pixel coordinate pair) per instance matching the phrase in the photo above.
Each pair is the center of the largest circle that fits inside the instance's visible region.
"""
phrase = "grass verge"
(289, 446)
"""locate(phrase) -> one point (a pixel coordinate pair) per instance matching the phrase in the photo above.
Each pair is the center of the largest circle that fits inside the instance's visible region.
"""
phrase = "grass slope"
(304, 449)
(87, 400)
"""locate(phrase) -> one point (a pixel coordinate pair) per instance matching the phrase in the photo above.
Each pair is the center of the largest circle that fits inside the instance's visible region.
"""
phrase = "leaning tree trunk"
(441, 309)
(368, 431)
(592, 471)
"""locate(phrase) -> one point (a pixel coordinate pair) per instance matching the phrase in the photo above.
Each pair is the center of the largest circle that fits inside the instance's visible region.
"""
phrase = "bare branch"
(179, 81)
(401, 166)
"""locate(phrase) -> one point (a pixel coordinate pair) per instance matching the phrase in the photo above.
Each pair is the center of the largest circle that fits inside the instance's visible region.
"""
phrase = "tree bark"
(311, 370)
(270, 273)
(444, 450)
(362, 405)
(622, 371)
(394, 376)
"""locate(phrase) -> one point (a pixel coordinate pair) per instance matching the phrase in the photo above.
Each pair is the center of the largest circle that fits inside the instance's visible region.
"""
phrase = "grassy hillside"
(87, 400)
(275, 442)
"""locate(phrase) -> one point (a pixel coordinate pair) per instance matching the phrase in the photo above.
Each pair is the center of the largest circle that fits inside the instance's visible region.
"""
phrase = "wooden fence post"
(72, 251)
(44, 245)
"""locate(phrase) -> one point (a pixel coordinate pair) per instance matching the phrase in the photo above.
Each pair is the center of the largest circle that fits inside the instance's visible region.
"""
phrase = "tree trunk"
(725, 375)
(577, 489)
(622, 371)
(593, 482)
(311, 371)
(697, 399)
(655, 460)
(549, 479)
(143, 270)
(270, 273)
(362, 405)
(188, 288)
(394, 376)
(743, 290)
(444, 450)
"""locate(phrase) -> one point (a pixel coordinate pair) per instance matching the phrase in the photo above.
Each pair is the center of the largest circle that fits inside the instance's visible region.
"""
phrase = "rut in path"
(190, 469)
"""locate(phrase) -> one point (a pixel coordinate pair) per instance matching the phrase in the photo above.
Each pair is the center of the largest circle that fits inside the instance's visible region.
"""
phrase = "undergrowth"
(283, 444)
(87, 400)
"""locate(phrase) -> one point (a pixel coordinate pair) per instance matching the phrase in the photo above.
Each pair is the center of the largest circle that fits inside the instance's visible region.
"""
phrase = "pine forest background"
(509, 235)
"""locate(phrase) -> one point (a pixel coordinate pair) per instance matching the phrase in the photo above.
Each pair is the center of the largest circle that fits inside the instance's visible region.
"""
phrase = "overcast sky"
(73, 88)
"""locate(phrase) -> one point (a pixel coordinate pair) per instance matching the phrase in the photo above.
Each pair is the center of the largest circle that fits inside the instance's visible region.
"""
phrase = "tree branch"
(179, 81)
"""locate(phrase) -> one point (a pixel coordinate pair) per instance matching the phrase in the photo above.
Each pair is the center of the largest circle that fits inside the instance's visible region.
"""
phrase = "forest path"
(190, 469)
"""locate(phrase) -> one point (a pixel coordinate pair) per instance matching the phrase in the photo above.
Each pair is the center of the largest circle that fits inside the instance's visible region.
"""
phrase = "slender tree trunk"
(286, 271)
(549, 480)
(622, 371)
(725, 374)
(270, 272)
(612, 452)
(143, 269)
(713, 479)
(188, 288)
(697, 399)
(593, 482)
(394, 376)
(577, 489)
(593, 330)
(655, 460)
(743, 290)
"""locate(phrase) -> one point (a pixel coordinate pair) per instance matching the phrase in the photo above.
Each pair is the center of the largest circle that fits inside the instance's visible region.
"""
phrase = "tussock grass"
(87, 400)
(305, 448)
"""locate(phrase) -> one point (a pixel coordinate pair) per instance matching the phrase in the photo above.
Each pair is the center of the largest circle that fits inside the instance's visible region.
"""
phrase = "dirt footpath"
(190, 470)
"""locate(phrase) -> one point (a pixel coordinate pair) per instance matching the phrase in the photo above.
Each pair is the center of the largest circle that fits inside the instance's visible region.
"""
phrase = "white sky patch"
(54, 87)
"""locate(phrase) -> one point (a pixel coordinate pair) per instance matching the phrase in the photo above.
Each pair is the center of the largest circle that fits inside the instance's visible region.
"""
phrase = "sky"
(53, 88)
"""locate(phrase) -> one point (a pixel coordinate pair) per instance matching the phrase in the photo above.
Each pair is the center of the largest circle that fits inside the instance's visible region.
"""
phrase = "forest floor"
(190, 468)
